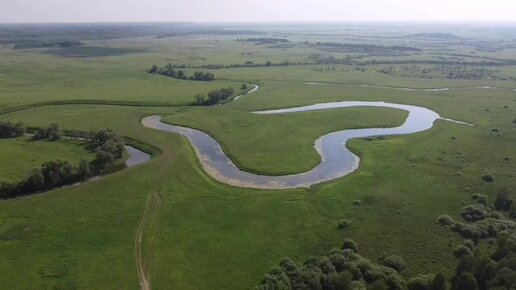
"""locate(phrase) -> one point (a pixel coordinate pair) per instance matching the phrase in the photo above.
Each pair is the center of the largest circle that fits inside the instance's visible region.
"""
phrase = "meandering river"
(336, 160)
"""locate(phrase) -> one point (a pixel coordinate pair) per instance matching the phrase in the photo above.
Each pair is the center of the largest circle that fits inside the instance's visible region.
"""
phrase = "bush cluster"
(340, 269)
(214, 97)
(479, 270)
(10, 130)
(51, 132)
(170, 71)
(344, 223)
(475, 270)
(109, 147)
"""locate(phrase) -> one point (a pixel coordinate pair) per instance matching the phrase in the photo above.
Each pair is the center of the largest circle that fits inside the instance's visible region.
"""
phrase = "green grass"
(29, 78)
(19, 155)
(206, 234)
(90, 51)
(250, 139)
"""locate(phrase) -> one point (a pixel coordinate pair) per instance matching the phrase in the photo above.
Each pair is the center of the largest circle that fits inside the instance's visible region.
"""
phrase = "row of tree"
(52, 132)
(109, 148)
(345, 268)
(171, 71)
(26, 44)
(214, 97)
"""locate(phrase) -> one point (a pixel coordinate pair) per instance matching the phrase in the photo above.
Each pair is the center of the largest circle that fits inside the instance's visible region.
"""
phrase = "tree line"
(264, 40)
(476, 269)
(171, 71)
(107, 145)
(214, 97)
(355, 60)
(26, 44)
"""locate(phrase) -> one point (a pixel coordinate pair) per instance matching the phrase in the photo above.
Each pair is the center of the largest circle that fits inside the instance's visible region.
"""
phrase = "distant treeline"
(214, 97)
(264, 40)
(319, 60)
(109, 148)
(13, 33)
(26, 44)
(434, 35)
(171, 71)
(362, 48)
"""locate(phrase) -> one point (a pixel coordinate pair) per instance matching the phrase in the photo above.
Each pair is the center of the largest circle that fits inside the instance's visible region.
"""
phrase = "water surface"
(336, 160)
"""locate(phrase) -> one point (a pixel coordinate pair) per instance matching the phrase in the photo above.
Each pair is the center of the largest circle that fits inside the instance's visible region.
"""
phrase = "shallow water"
(136, 157)
(256, 87)
(336, 160)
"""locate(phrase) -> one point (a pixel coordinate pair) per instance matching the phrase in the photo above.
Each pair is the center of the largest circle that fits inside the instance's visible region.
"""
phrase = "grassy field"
(30, 78)
(207, 235)
(19, 155)
(237, 132)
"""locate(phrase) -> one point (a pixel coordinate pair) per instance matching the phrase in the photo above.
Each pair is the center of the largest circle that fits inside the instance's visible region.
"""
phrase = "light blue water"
(336, 160)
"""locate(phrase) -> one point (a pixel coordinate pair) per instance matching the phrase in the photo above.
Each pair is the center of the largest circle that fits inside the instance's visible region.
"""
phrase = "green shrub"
(10, 130)
(488, 177)
(395, 262)
(482, 199)
(6, 187)
(503, 200)
(446, 220)
(461, 250)
(421, 282)
(344, 223)
(350, 245)
(357, 202)
(474, 212)
(469, 243)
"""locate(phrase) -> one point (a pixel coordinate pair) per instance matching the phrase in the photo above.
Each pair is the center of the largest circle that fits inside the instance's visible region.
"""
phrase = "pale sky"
(254, 10)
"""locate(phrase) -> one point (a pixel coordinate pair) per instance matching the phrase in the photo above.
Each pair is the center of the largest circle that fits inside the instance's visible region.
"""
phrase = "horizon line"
(271, 22)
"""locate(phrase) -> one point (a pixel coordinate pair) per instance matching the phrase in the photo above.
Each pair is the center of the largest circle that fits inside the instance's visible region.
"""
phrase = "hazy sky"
(255, 10)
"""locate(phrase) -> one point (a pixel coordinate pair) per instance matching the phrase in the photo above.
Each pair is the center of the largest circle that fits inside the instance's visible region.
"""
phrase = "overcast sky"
(255, 10)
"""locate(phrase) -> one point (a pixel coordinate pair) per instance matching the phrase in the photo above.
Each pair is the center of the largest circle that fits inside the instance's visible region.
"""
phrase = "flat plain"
(203, 234)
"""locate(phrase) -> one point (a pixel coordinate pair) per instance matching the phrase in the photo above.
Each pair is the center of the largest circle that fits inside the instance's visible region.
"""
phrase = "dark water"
(336, 160)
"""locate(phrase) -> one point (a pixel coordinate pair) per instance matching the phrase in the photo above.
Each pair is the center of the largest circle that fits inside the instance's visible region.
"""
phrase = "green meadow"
(20, 155)
(203, 234)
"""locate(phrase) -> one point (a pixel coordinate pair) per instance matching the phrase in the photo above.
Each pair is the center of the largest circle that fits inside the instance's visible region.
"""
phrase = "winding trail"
(336, 160)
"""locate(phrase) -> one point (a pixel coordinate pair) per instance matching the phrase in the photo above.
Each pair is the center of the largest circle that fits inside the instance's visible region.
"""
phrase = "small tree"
(199, 99)
(439, 282)
(6, 187)
(466, 281)
(83, 169)
(154, 69)
(350, 245)
(53, 132)
(103, 159)
(503, 200)
(395, 262)
(35, 180)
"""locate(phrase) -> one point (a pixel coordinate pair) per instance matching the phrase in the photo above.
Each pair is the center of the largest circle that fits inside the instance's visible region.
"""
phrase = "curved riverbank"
(336, 160)
(410, 89)
(256, 87)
